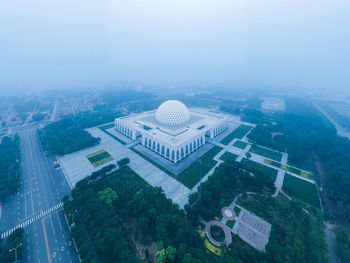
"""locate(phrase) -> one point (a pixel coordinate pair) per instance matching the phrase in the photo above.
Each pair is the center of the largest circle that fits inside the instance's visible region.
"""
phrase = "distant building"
(172, 131)
(273, 104)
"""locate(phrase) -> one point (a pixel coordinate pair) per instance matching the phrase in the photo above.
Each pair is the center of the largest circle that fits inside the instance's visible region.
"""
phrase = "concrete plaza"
(76, 167)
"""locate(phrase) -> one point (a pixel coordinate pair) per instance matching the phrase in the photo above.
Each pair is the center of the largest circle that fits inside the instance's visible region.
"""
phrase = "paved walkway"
(284, 159)
(228, 237)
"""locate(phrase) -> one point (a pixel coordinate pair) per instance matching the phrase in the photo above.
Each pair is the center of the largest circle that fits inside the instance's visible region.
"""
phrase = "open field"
(266, 153)
(228, 156)
(99, 158)
(237, 133)
(240, 144)
(301, 189)
(265, 170)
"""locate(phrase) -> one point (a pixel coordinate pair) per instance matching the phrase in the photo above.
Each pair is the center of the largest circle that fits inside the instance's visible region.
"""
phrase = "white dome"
(172, 112)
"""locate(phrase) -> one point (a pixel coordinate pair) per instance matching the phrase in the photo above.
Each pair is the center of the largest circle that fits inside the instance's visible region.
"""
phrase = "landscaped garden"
(301, 189)
(292, 228)
(230, 223)
(99, 158)
(217, 233)
(237, 133)
(277, 156)
(190, 176)
(228, 156)
(289, 168)
(240, 144)
(214, 249)
(268, 172)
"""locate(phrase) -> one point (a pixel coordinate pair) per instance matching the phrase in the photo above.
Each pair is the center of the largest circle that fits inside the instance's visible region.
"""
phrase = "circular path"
(228, 237)
(228, 213)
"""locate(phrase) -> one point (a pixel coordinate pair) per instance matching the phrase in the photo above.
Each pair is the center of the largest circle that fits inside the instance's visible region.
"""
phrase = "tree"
(161, 256)
(107, 196)
(170, 253)
(248, 155)
(123, 162)
(187, 258)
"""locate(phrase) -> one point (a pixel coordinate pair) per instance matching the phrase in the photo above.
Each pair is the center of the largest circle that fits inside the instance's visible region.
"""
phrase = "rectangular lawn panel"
(266, 153)
(288, 168)
(99, 158)
(265, 170)
(190, 176)
(104, 129)
(240, 144)
(228, 156)
(237, 133)
(301, 189)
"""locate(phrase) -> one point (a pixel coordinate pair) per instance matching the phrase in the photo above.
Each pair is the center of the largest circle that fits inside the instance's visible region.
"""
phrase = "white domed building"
(172, 131)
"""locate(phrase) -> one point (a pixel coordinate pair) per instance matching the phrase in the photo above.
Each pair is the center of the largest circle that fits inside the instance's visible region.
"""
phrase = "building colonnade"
(174, 154)
(168, 151)
(125, 130)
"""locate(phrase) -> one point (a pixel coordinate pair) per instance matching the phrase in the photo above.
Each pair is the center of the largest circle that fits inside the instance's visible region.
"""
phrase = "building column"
(211, 133)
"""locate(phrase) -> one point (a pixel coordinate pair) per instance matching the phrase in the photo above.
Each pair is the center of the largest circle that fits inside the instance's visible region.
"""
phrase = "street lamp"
(15, 249)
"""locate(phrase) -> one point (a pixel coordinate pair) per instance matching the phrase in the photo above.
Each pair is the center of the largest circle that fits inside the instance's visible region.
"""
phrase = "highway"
(37, 206)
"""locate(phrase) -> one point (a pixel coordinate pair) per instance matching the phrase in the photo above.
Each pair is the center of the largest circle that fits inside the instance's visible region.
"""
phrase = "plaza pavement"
(76, 167)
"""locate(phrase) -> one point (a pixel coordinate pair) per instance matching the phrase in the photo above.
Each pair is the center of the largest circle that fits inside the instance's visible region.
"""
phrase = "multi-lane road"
(37, 206)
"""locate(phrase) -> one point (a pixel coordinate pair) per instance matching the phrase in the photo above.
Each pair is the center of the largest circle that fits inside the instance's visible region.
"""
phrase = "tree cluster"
(9, 166)
(130, 221)
(228, 181)
(343, 244)
(14, 240)
(68, 135)
(308, 137)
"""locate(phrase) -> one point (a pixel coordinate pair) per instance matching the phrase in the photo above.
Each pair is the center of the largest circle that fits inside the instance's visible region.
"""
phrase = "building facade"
(172, 131)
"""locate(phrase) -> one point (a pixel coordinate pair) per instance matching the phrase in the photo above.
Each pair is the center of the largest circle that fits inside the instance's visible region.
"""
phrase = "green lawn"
(301, 189)
(265, 170)
(190, 176)
(289, 168)
(99, 158)
(266, 153)
(237, 133)
(230, 223)
(228, 156)
(104, 129)
(240, 144)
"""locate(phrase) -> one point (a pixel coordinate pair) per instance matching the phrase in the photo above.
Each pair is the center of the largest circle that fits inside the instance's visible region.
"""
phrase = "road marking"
(25, 205)
(34, 218)
(53, 230)
(59, 221)
(46, 241)
(31, 197)
(0, 210)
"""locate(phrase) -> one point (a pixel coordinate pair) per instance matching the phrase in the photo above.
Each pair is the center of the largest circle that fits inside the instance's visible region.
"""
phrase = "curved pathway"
(228, 237)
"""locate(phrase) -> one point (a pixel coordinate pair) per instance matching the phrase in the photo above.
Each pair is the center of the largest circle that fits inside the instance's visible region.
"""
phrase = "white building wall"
(174, 154)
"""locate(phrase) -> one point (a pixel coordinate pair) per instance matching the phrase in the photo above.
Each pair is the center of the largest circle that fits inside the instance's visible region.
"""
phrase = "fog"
(242, 43)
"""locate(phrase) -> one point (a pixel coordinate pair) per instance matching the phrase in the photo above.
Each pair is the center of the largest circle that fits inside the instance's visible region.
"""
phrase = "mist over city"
(260, 44)
(175, 131)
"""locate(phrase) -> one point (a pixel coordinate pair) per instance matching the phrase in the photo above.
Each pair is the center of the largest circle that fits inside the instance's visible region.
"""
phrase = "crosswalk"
(32, 219)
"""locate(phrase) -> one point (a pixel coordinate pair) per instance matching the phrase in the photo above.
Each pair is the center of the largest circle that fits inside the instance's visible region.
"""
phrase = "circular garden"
(217, 233)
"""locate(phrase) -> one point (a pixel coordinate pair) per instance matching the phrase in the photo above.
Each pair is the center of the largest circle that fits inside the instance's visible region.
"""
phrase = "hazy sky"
(77, 43)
